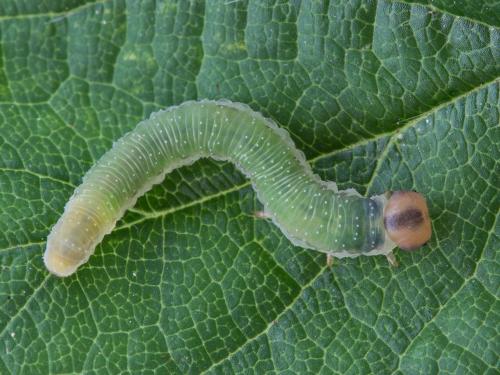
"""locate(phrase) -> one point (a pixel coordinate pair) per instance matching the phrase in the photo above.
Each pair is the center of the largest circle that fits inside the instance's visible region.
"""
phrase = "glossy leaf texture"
(380, 95)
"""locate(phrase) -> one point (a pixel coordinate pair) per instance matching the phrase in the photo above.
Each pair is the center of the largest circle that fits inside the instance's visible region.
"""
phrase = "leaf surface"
(380, 95)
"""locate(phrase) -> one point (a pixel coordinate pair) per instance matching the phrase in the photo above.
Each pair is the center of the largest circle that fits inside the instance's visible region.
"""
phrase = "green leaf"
(380, 95)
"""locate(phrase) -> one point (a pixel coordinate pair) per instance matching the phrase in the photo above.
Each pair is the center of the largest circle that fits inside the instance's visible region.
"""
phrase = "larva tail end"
(57, 264)
(406, 220)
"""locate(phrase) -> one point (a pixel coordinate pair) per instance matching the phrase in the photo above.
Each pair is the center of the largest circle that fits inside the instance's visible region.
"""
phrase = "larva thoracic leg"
(310, 212)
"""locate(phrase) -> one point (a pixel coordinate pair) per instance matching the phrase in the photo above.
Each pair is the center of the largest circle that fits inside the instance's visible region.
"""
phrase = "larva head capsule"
(406, 220)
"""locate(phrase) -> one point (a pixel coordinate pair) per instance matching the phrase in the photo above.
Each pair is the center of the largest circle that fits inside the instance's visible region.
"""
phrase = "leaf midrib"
(391, 134)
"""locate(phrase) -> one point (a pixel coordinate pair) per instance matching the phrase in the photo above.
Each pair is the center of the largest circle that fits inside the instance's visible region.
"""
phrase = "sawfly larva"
(310, 212)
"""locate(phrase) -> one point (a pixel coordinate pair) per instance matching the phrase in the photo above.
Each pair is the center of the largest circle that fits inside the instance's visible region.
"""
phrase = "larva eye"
(406, 220)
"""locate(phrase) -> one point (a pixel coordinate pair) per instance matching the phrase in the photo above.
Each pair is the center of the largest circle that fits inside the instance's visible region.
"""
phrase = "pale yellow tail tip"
(58, 265)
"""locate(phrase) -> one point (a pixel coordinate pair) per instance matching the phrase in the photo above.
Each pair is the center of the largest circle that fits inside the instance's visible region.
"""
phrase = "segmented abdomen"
(309, 211)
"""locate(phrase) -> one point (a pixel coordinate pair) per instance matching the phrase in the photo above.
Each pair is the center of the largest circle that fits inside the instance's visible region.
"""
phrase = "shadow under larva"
(310, 212)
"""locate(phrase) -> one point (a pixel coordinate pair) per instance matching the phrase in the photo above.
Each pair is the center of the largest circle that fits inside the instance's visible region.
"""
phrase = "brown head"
(406, 220)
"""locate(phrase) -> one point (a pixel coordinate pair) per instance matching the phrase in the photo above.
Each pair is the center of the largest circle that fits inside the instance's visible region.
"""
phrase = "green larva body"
(310, 212)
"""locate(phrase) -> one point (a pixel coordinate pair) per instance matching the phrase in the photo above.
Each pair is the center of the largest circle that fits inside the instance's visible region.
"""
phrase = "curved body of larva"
(310, 212)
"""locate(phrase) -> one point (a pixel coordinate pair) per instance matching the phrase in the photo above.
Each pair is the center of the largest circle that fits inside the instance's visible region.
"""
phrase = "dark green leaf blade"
(379, 95)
